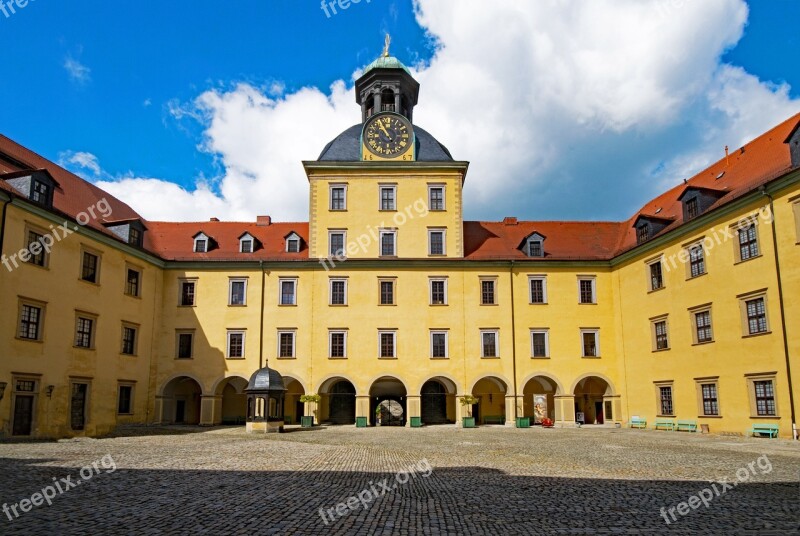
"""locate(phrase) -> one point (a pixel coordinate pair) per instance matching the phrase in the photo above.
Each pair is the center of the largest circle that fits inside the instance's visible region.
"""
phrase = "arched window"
(387, 101)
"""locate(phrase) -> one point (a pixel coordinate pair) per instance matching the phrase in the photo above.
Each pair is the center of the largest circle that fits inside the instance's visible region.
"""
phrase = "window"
(292, 243)
(691, 208)
(125, 400)
(237, 292)
(288, 291)
(697, 261)
(338, 292)
(236, 345)
(84, 331)
(590, 343)
(439, 348)
(487, 291)
(387, 292)
(129, 339)
(30, 322)
(40, 193)
(438, 289)
(642, 233)
(133, 282)
(708, 393)
(660, 335)
(388, 245)
(247, 243)
(656, 275)
(35, 253)
(535, 248)
(540, 345)
(436, 242)
(489, 343)
(748, 242)
(338, 198)
(336, 241)
(338, 344)
(388, 198)
(702, 326)
(90, 266)
(756, 316)
(435, 197)
(665, 399)
(187, 293)
(764, 397)
(586, 290)
(386, 344)
(185, 343)
(538, 286)
(286, 344)
(201, 243)
(134, 236)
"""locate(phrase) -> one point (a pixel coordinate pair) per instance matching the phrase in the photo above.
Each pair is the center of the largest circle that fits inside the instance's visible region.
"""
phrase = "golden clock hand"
(383, 128)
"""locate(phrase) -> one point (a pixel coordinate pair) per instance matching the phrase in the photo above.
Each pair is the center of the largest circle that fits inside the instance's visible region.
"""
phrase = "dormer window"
(533, 245)
(691, 208)
(247, 243)
(293, 243)
(40, 192)
(200, 243)
(38, 185)
(643, 233)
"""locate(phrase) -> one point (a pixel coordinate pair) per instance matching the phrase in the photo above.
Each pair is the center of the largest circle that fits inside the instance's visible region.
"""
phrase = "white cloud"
(77, 71)
(582, 110)
(80, 162)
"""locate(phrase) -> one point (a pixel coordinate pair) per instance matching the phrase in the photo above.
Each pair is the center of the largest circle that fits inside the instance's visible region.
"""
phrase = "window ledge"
(587, 303)
(660, 350)
(93, 283)
(438, 305)
(756, 334)
(132, 296)
(703, 343)
(237, 305)
(490, 357)
(762, 417)
(187, 306)
(387, 305)
(88, 349)
(337, 357)
(235, 358)
(284, 358)
(122, 354)
(652, 290)
(186, 358)
(384, 357)
(490, 304)
(387, 210)
(337, 305)
(698, 276)
(538, 303)
(747, 260)
(287, 305)
(665, 416)
(590, 357)
(540, 357)
(23, 339)
(709, 416)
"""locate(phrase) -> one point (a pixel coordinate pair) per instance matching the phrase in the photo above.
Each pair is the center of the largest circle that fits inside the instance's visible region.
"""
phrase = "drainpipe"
(261, 320)
(783, 315)
(513, 339)
(3, 224)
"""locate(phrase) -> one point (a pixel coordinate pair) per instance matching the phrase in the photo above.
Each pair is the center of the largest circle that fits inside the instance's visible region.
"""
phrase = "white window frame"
(496, 333)
(231, 281)
(443, 231)
(446, 334)
(293, 333)
(197, 238)
(294, 282)
(381, 188)
(443, 187)
(247, 237)
(393, 333)
(293, 237)
(231, 332)
(431, 280)
(330, 291)
(543, 279)
(381, 234)
(535, 237)
(593, 281)
(596, 333)
(546, 332)
(342, 232)
(331, 332)
(493, 281)
(330, 197)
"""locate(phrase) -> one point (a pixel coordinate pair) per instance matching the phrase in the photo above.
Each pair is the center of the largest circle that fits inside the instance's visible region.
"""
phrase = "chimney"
(263, 221)
(726, 156)
(509, 220)
(214, 219)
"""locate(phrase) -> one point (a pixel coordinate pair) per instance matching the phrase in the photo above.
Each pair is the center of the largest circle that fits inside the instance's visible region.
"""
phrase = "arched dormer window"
(247, 243)
(200, 243)
(293, 243)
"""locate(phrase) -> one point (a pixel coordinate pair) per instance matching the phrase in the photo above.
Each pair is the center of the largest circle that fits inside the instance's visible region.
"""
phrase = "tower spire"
(386, 43)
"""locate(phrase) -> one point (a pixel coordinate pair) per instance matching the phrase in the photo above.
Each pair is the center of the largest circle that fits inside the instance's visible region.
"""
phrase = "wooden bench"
(771, 430)
(686, 426)
(664, 424)
(494, 419)
(638, 422)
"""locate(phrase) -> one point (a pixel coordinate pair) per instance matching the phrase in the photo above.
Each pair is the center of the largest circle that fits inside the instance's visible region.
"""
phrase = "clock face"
(388, 135)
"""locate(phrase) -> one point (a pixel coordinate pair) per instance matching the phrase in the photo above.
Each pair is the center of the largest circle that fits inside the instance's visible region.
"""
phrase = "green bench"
(664, 424)
(638, 422)
(494, 419)
(686, 426)
(771, 430)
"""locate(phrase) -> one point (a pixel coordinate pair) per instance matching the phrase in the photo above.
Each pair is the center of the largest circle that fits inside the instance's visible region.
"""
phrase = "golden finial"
(386, 46)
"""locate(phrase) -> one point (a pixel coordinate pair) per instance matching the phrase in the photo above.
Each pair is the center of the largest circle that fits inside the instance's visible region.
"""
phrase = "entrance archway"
(293, 409)
(338, 401)
(538, 399)
(181, 398)
(491, 391)
(234, 400)
(437, 399)
(388, 394)
(589, 396)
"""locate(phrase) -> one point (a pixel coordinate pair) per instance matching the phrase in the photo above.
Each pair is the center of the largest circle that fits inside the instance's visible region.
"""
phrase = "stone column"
(511, 404)
(565, 409)
(461, 411)
(163, 410)
(413, 408)
(362, 407)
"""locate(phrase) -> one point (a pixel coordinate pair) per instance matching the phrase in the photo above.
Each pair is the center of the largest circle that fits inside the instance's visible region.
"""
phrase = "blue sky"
(147, 91)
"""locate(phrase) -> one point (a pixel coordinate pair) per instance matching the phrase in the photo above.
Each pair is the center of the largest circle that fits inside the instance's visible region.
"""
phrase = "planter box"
(416, 422)
(523, 422)
(307, 421)
(361, 422)
(468, 422)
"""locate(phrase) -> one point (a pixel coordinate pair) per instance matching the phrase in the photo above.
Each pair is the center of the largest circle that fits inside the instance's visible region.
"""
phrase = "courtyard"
(392, 480)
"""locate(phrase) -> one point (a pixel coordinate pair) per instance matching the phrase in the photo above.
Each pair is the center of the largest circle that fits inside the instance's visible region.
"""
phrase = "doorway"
(23, 415)
(78, 406)
(180, 412)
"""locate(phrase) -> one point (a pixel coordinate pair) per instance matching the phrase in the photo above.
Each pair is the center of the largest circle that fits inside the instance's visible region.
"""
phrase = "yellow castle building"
(389, 306)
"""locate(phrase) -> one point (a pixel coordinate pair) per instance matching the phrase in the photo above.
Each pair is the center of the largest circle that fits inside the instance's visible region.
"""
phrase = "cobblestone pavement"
(489, 480)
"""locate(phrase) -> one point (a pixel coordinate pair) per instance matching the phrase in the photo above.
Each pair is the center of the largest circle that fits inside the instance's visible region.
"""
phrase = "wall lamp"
(3, 386)
(50, 391)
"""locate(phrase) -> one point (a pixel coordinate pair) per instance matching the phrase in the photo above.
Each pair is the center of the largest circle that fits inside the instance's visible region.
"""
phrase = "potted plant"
(307, 421)
(547, 423)
(468, 421)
